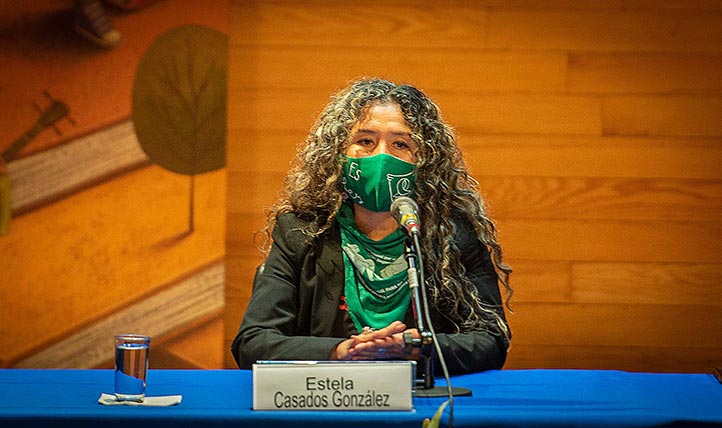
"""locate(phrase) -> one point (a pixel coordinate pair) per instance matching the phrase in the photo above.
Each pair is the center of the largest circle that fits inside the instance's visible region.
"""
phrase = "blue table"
(510, 398)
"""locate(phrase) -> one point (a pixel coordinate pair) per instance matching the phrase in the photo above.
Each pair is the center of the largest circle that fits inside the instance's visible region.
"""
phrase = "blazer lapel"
(331, 277)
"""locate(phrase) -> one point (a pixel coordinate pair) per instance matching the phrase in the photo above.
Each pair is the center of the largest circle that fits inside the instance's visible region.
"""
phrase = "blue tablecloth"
(510, 398)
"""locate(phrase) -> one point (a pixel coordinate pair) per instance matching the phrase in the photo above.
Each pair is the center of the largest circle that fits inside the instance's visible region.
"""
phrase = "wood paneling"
(593, 129)
(458, 70)
(631, 358)
(514, 155)
(593, 198)
(643, 72)
(631, 283)
(689, 241)
(649, 30)
(541, 281)
(292, 110)
(617, 324)
(573, 156)
(680, 115)
(359, 25)
(648, 283)
(518, 113)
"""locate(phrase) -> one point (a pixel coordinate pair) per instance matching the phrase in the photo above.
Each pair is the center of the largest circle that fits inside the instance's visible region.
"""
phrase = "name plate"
(333, 385)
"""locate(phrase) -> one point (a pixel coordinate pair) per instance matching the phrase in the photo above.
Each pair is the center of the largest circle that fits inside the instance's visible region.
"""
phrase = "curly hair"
(444, 191)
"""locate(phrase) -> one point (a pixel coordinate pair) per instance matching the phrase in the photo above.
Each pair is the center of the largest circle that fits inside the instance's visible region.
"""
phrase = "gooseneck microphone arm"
(426, 340)
(406, 212)
(413, 275)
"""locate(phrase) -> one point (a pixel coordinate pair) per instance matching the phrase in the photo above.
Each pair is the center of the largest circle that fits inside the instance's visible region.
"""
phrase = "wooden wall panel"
(515, 155)
(605, 5)
(643, 72)
(375, 23)
(503, 113)
(689, 241)
(595, 198)
(574, 156)
(647, 283)
(520, 113)
(593, 129)
(663, 115)
(541, 281)
(632, 358)
(617, 324)
(648, 30)
(459, 70)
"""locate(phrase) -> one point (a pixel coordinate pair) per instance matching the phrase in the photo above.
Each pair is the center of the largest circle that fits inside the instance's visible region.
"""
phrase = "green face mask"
(374, 181)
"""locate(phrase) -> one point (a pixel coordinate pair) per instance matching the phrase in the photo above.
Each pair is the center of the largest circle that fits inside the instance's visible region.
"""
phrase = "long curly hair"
(444, 191)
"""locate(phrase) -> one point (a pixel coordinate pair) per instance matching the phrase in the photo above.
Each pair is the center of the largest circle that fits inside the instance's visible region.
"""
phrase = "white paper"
(161, 401)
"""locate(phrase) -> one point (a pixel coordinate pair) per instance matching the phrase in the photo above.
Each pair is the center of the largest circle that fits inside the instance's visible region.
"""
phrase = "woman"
(334, 283)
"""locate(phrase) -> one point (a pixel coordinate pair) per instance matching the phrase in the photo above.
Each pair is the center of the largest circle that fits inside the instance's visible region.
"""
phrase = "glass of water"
(131, 366)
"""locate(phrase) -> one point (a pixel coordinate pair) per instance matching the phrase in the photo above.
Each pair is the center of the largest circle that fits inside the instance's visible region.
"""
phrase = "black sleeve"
(270, 329)
(480, 349)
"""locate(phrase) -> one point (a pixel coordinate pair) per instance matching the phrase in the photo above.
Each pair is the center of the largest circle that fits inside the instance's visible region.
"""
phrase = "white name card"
(333, 385)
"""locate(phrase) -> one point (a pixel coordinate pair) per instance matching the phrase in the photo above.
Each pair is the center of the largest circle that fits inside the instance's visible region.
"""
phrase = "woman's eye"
(364, 141)
(401, 145)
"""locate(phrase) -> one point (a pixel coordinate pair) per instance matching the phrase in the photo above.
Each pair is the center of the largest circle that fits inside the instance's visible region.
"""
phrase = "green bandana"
(376, 286)
(374, 181)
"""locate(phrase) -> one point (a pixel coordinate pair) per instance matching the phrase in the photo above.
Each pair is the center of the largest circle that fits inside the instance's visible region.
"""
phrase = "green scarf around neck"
(376, 283)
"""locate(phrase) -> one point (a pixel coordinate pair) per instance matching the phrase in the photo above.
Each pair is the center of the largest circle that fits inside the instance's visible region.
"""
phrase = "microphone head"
(406, 212)
(401, 204)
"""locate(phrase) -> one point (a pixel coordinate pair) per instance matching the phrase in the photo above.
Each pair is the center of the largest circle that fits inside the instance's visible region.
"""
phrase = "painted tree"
(179, 102)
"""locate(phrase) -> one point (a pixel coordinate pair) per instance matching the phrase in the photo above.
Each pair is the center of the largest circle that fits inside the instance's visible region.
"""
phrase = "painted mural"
(112, 180)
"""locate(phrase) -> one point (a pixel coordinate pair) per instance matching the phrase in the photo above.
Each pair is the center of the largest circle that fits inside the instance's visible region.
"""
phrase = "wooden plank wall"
(594, 128)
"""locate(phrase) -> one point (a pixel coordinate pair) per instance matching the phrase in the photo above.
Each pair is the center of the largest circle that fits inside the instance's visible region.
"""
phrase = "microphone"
(406, 212)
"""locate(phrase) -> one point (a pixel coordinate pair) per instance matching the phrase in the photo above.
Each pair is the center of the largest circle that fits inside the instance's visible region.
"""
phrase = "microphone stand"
(426, 340)
(426, 343)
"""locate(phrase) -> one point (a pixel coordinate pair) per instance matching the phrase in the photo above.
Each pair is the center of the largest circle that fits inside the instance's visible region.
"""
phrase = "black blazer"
(296, 311)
